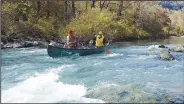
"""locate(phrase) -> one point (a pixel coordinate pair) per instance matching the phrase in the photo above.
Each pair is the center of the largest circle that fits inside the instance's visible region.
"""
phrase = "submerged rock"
(123, 94)
(166, 55)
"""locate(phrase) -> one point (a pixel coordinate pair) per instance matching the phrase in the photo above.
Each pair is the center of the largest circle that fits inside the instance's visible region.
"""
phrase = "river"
(129, 74)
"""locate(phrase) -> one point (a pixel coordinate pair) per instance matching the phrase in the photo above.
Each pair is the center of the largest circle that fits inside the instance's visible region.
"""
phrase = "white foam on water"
(132, 93)
(90, 100)
(33, 51)
(143, 57)
(45, 88)
(112, 55)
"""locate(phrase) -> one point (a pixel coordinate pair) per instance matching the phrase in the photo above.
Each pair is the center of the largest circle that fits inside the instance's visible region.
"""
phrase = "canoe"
(59, 51)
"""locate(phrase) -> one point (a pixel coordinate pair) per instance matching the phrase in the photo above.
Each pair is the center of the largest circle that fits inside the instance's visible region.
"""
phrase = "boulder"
(8, 45)
(178, 48)
(166, 55)
(155, 47)
(28, 44)
(17, 45)
(161, 46)
(31, 43)
(24, 44)
(42, 44)
(2, 45)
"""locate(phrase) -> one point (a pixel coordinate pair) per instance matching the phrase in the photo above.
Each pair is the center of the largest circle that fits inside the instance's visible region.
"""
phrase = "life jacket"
(99, 41)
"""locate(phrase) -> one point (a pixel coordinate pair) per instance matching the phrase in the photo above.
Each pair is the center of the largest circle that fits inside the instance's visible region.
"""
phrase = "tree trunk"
(120, 7)
(24, 12)
(169, 29)
(24, 17)
(107, 4)
(48, 10)
(65, 9)
(100, 4)
(136, 19)
(56, 8)
(38, 7)
(93, 4)
(86, 5)
(73, 8)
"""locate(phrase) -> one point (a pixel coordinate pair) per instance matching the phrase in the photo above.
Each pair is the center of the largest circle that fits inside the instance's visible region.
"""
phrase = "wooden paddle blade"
(107, 51)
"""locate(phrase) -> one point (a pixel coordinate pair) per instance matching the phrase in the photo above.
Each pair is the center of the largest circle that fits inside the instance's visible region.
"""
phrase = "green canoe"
(59, 51)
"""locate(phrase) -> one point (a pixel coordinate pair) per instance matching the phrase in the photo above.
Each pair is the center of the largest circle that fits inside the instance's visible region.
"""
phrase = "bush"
(91, 22)
(46, 26)
(177, 22)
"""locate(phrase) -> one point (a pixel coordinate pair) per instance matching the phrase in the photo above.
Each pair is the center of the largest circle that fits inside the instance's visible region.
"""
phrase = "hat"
(100, 32)
(70, 31)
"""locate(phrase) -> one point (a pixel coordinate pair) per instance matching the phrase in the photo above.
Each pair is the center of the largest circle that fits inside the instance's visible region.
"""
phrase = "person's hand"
(70, 43)
(65, 45)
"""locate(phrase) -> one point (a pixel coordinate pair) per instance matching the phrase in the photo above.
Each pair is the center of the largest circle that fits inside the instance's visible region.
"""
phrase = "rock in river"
(166, 55)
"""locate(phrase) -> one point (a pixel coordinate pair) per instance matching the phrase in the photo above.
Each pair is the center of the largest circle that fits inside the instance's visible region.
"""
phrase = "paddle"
(107, 51)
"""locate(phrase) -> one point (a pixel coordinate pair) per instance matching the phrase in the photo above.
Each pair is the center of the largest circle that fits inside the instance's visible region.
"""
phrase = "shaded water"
(129, 74)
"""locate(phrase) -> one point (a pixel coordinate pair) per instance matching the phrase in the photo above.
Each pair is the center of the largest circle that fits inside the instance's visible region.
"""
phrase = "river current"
(130, 74)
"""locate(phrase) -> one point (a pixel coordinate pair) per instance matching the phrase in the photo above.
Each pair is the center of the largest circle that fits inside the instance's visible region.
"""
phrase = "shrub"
(91, 22)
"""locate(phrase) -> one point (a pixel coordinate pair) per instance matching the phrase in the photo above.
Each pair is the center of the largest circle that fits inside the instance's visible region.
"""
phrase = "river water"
(129, 74)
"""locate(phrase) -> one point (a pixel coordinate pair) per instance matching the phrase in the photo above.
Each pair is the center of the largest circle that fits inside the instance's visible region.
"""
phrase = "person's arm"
(67, 40)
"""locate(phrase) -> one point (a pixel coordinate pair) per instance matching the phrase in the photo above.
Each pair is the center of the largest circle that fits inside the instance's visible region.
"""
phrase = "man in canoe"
(99, 40)
(71, 40)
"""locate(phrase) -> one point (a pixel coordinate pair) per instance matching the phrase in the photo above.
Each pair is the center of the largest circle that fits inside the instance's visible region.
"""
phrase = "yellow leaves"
(142, 33)
(59, 2)
(177, 22)
(8, 7)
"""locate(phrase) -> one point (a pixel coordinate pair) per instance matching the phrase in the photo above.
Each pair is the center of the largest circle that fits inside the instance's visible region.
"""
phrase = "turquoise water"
(129, 74)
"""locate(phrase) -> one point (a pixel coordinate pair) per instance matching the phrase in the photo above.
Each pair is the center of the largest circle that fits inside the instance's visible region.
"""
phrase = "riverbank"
(17, 42)
(25, 40)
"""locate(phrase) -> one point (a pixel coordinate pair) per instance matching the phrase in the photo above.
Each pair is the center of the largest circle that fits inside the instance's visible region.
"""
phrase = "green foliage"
(20, 16)
(46, 26)
(133, 19)
(90, 23)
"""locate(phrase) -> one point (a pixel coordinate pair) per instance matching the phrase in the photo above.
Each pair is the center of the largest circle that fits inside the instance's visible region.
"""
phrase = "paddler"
(71, 40)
